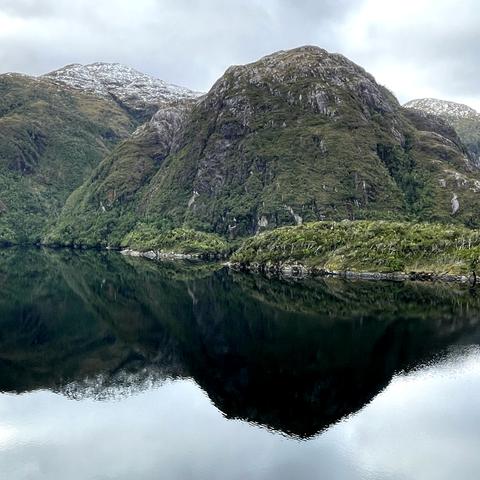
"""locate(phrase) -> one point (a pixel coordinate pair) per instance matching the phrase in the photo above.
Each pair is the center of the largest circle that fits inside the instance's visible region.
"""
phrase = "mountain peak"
(443, 108)
(308, 59)
(307, 75)
(122, 83)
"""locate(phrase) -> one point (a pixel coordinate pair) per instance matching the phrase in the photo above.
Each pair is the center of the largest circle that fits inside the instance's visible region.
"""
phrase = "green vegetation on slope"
(180, 240)
(257, 153)
(367, 246)
(50, 140)
(106, 207)
(469, 131)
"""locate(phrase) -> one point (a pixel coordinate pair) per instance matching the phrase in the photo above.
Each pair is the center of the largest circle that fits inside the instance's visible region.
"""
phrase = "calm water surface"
(119, 368)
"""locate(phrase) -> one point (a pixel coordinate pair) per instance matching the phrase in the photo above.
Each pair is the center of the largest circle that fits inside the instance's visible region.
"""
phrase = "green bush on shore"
(369, 246)
(179, 240)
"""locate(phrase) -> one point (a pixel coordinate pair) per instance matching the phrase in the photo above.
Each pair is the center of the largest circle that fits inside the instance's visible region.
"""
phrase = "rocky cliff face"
(262, 149)
(299, 135)
(464, 119)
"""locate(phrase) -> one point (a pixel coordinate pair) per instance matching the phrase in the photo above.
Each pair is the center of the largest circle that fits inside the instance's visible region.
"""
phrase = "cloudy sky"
(417, 48)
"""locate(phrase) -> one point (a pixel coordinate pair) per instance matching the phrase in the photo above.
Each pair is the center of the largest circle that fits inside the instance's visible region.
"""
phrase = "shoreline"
(280, 270)
(299, 270)
(159, 255)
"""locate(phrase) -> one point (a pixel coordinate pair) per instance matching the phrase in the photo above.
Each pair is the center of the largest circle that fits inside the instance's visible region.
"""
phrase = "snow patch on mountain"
(443, 108)
(120, 82)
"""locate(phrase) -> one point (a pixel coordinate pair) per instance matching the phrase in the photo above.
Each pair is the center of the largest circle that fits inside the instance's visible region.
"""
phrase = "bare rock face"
(166, 125)
(455, 204)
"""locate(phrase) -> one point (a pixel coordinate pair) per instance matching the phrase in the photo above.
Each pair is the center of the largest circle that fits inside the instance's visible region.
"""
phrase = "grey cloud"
(192, 42)
(441, 43)
(27, 8)
(188, 42)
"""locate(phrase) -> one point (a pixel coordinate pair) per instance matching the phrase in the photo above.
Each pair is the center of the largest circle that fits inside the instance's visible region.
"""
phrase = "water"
(120, 368)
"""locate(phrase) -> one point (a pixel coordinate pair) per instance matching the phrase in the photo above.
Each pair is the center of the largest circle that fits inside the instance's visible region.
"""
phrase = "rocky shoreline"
(159, 255)
(298, 270)
(290, 270)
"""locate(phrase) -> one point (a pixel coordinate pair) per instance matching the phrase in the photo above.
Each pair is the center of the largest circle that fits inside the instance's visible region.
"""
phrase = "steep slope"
(50, 139)
(56, 128)
(299, 135)
(104, 206)
(140, 94)
(463, 118)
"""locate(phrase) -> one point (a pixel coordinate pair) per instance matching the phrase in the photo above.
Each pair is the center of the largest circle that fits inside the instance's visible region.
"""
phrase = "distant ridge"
(464, 119)
(124, 84)
(443, 108)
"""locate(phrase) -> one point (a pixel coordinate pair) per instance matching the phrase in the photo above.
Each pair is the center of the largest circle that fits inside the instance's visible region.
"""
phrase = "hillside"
(53, 134)
(50, 139)
(422, 250)
(463, 118)
(300, 135)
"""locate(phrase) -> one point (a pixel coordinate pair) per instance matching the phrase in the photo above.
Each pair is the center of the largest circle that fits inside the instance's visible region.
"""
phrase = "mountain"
(463, 118)
(299, 135)
(140, 94)
(53, 133)
(451, 110)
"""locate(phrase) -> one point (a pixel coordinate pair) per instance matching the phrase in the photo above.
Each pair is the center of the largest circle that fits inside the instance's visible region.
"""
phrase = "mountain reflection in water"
(292, 357)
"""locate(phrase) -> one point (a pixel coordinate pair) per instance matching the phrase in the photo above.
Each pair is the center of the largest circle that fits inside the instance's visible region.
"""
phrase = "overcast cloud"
(416, 48)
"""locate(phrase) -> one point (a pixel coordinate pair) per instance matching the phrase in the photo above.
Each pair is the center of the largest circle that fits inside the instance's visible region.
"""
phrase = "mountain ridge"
(464, 119)
(137, 91)
(297, 136)
(442, 107)
(52, 135)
